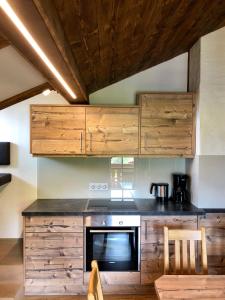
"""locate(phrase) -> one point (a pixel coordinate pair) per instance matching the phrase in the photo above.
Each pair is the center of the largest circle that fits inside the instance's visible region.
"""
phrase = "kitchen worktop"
(63, 207)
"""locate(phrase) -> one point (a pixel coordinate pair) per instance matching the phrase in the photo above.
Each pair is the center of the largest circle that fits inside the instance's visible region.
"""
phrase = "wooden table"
(190, 287)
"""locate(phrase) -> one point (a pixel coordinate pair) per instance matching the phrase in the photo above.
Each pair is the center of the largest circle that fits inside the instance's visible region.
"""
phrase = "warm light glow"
(20, 26)
(46, 92)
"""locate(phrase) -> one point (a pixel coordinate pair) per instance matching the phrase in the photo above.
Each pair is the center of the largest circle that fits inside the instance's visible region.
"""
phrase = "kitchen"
(69, 181)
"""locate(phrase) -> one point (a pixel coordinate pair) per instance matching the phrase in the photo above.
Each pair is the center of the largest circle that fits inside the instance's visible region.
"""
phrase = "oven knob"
(120, 222)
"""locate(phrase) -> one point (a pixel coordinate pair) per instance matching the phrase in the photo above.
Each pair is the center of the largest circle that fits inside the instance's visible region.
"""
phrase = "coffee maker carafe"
(161, 191)
(180, 192)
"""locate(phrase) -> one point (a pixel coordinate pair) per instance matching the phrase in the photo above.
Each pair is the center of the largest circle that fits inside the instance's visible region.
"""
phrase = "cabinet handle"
(81, 142)
(91, 141)
(146, 230)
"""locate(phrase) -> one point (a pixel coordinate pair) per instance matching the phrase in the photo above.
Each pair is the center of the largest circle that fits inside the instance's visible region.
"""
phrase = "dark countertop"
(63, 207)
(5, 178)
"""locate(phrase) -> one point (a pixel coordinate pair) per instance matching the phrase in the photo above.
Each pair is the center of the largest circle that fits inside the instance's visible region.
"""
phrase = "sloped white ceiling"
(16, 74)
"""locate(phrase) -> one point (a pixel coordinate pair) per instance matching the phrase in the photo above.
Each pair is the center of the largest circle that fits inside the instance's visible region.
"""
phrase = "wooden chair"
(94, 287)
(185, 256)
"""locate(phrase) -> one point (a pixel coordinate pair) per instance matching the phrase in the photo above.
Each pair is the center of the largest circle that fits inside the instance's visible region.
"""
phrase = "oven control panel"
(112, 220)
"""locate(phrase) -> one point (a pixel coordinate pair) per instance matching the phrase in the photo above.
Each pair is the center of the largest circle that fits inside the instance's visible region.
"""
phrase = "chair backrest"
(185, 250)
(94, 287)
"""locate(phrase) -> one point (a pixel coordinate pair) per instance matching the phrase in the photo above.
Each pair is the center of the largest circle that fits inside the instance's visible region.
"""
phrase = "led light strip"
(20, 26)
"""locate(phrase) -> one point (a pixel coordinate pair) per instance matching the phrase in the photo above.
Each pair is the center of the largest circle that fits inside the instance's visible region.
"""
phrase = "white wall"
(22, 191)
(208, 167)
(168, 76)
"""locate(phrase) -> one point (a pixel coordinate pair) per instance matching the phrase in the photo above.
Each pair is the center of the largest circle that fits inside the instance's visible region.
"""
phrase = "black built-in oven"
(114, 241)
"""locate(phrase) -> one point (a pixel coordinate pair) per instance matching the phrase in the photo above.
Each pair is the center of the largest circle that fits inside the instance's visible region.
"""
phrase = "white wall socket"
(98, 186)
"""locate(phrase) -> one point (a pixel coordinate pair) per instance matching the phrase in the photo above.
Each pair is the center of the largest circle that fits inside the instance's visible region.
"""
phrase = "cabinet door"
(167, 124)
(57, 130)
(214, 224)
(112, 130)
(53, 255)
(152, 253)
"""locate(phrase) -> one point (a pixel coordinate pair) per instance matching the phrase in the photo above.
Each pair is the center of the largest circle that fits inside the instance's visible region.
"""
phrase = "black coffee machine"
(180, 193)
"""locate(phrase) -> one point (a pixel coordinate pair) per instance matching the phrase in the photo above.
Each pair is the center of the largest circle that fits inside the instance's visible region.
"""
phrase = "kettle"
(161, 191)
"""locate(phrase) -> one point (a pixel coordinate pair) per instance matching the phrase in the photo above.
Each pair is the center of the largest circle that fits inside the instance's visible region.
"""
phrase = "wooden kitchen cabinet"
(112, 130)
(53, 255)
(167, 124)
(57, 130)
(214, 224)
(152, 252)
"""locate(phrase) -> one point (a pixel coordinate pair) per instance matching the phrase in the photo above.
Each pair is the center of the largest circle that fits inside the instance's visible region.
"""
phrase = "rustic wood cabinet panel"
(53, 255)
(152, 242)
(215, 238)
(167, 124)
(57, 130)
(112, 130)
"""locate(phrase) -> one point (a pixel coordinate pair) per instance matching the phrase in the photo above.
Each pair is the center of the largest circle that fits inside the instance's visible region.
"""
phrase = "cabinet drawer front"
(55, 261)
(54, 224)
(152, 227)
(53, 240)
(54, 277)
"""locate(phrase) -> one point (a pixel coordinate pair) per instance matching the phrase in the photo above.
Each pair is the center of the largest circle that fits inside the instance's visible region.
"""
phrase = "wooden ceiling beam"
(30, 16)
(25, 95)
(52, 20)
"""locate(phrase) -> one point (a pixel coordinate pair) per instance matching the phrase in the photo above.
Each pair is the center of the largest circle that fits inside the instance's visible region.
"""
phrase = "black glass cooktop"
(111, 204)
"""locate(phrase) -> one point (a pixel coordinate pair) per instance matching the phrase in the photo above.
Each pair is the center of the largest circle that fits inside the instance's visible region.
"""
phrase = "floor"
(11, 277)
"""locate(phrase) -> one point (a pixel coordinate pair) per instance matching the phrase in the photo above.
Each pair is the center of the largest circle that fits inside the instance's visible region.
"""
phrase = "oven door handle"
(111, 231)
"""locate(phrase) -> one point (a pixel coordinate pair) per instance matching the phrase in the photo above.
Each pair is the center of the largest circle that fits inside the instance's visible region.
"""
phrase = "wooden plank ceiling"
(95, 43)
(114, 39)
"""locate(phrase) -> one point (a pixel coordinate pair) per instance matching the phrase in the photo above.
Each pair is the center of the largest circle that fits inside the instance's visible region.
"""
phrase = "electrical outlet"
(98, 186)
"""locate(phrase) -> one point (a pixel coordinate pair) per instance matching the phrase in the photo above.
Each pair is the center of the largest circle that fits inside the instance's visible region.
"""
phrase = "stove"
(111, 205)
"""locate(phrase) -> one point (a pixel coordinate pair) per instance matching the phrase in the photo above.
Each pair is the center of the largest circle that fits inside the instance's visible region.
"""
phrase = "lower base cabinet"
(215, 241)
(152, 242)
(53, 254)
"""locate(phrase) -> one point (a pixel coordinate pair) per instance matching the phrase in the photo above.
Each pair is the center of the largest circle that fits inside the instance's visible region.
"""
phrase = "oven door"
(115, 248)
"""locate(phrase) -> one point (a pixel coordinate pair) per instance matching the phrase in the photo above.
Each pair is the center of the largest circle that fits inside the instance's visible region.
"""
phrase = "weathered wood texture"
(190, 287)
(57, 130)
(113, 39)
(215, 238)
(152, 241)
(167, 124)
(53, 255)
(112, 130)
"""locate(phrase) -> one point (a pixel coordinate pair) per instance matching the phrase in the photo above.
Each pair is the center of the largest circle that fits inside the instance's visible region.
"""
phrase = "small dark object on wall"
(5, 153)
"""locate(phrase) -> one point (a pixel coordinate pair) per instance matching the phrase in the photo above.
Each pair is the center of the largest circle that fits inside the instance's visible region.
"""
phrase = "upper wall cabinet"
(112, 130)
(167, 124)
(57, 130)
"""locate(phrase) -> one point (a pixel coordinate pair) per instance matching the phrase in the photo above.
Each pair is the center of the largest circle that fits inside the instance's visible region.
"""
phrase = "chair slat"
(184, 257)
(204, 252)
(166, 251)
(192, 256)
(177, 257)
